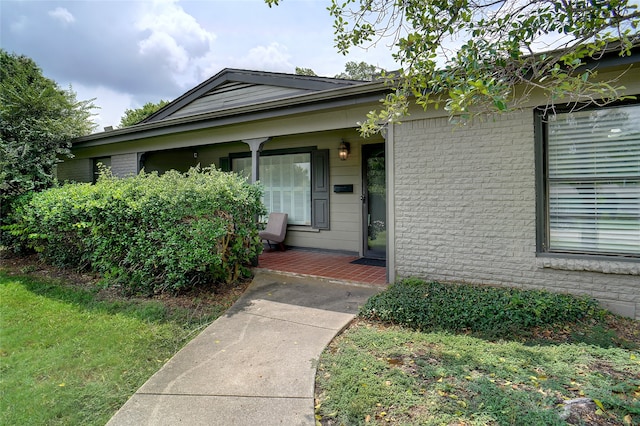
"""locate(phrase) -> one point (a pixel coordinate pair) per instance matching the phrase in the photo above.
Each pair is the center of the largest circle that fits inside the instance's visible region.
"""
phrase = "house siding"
(75, 170)
(344, 232)
(345, 223)
(465, 212)
(124, 165)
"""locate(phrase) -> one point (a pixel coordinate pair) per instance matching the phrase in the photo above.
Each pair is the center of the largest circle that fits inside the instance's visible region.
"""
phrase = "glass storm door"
(374, 199)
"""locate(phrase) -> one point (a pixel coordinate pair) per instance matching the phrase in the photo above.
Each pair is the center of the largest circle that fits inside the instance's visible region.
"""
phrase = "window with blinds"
(593, 181)
(287, 184)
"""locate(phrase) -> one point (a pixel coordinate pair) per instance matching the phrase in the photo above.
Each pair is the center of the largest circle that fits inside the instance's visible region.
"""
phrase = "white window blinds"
(287, 184)
(593, 178)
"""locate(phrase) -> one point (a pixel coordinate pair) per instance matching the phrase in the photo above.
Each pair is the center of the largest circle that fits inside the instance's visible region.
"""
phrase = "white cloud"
(62, 15)
(159, 44)
(112, 104)
(274, 57)
(130, 53)
(175, 38)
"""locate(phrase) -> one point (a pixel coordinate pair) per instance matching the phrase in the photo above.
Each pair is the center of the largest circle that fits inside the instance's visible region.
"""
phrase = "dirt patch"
(31, 265)
(583, 411)
(625, 328)
(607, 331)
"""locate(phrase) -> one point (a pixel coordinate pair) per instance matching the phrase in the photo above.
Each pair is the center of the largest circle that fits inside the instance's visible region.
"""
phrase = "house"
(518, 199)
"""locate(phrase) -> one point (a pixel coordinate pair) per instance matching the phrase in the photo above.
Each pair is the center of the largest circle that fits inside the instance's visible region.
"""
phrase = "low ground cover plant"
(376, 374)
(147, 233)
(72, 354)
(431, 354)
(489, 311)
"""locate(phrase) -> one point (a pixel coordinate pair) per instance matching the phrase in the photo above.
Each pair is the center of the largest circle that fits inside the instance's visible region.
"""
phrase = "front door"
(374, 199)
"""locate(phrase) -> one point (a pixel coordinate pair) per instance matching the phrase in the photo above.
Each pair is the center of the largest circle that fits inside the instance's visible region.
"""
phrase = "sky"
(127, 53)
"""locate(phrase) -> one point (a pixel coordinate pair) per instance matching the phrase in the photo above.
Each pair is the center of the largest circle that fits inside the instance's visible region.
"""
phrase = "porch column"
(256, 147)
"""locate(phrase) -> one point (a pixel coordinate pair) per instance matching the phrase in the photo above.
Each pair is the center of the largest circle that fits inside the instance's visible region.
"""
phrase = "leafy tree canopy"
(135, 116)
(305, 71)
(38, 120)
(352, 70)
(499, 45)
(359, 71)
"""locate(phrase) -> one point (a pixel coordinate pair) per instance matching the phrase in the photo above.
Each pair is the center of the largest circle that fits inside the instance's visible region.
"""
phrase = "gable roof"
(235, 87)
(235, 96)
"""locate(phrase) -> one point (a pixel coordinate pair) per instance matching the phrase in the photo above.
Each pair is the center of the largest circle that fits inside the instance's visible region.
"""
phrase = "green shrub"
(8, 241)
(147, 233)
(491, 311)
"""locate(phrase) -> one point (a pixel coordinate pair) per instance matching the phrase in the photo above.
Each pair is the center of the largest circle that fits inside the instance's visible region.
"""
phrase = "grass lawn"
(378, 374)
(73, 354)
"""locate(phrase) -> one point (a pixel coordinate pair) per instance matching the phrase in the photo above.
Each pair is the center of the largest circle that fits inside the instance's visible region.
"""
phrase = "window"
(294, 183)
(591, 182)
(287, 184)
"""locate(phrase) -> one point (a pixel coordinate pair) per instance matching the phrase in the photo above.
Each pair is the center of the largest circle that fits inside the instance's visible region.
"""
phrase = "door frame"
(366, 149)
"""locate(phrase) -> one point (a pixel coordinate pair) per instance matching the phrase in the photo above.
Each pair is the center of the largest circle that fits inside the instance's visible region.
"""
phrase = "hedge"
(491, 311)
(147, 233)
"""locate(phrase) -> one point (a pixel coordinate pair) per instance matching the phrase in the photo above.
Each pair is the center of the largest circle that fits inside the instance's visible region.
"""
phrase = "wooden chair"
(276, 229)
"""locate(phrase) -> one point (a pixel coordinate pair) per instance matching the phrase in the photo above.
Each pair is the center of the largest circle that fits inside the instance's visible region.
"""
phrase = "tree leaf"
(599, 404)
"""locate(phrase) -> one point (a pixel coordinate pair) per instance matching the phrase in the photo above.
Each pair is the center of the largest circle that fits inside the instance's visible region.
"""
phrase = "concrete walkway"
(256, 364)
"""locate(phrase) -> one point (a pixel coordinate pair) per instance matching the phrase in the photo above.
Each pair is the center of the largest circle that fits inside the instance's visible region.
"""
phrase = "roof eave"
(356, 94)
(248, 76)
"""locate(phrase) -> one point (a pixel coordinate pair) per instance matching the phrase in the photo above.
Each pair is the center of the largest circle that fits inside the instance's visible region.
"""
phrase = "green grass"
(68, 357)
(374, 374)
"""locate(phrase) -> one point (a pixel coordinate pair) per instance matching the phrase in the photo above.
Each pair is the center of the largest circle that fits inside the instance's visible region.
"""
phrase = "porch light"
(343, 150)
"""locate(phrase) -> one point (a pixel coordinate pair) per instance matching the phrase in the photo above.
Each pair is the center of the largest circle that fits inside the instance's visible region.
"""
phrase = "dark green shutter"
(320, 189)
(225, 164)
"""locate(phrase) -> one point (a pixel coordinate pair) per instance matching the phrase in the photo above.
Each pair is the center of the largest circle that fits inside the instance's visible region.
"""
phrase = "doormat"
(370, 262)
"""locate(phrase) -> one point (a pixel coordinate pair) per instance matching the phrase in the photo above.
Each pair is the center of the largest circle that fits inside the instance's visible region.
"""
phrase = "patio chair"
(276, 229)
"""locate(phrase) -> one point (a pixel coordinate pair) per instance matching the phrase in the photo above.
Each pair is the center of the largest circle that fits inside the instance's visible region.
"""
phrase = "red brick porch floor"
(322, 264)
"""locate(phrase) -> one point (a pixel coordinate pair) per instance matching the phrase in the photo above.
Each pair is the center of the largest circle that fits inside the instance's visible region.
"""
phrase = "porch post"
(389, 162)
(256, 147)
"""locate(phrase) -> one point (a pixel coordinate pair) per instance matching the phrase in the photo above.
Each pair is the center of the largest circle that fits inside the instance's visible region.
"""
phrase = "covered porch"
(324, 264)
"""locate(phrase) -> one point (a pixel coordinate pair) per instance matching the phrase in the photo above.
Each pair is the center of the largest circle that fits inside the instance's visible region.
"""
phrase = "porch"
(325, 264)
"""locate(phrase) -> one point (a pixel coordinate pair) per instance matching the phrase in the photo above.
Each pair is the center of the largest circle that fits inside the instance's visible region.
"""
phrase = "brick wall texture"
(466, 212)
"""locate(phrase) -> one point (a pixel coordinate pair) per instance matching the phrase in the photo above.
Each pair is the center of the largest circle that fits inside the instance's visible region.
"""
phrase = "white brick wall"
(465, 211)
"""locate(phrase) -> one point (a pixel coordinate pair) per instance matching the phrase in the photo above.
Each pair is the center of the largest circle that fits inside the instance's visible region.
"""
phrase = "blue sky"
(127, 53)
